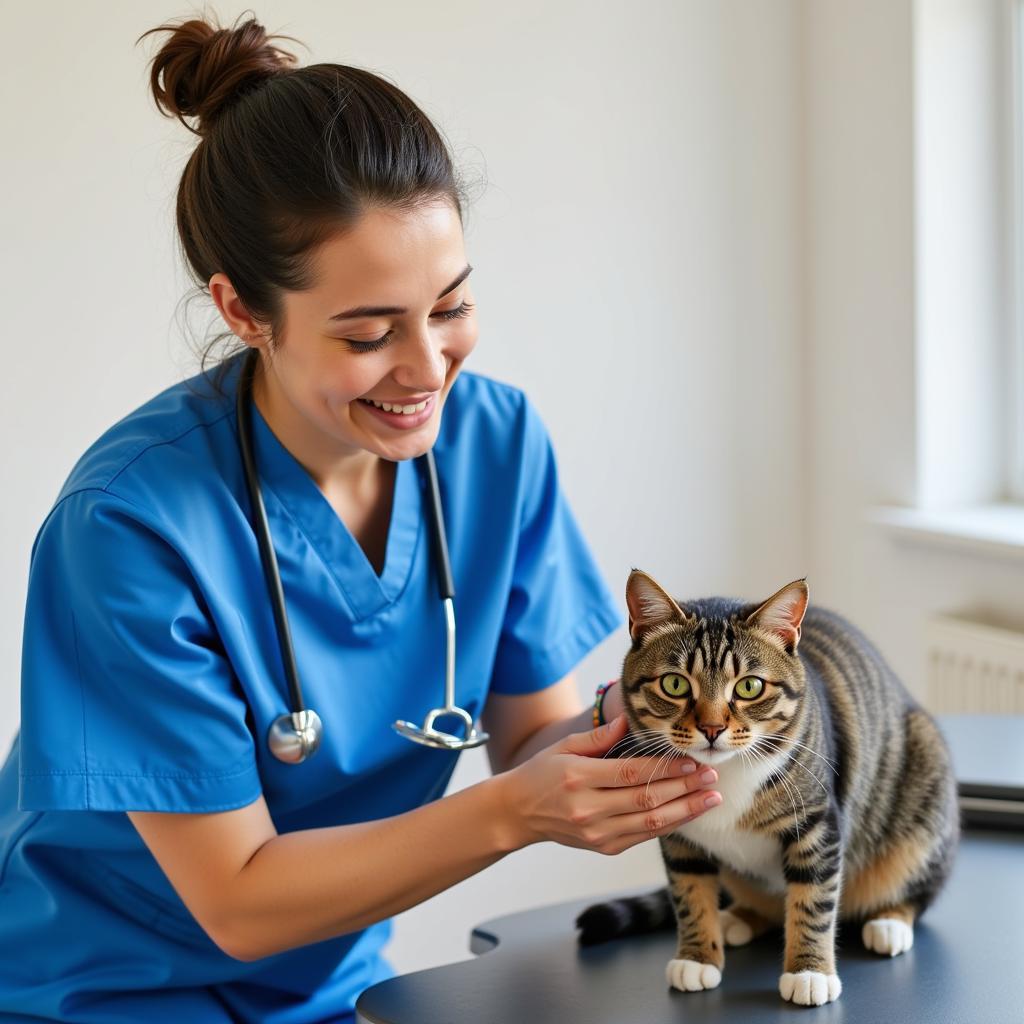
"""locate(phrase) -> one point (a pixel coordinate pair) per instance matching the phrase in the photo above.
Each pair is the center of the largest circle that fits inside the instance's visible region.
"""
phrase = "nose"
(424, 365)
(711, 729)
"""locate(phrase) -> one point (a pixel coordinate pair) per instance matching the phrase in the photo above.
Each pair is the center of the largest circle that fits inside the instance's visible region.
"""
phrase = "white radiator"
(973, 667)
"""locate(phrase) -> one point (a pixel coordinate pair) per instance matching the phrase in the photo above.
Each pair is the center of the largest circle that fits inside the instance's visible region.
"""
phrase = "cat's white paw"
(735, 931)
(888, 936)
(691, 976)
(810, 988)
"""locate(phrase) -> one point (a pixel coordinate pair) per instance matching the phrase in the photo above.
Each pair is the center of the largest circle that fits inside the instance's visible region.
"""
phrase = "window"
(1014, 396)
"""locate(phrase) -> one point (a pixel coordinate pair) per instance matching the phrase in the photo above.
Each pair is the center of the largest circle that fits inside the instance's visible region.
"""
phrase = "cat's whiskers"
(752, 754)
(640, 734)
(669, 756)
(651, 747)
(636, 737)
(637, 744)
(807, 771)
(805, 768)
(650, 743)
(761, 755)
(648, 749)
(810, 750)
(643, 738)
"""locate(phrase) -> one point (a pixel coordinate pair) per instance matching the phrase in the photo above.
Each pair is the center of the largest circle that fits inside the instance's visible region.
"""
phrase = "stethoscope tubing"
(271, 573)
(445, 584)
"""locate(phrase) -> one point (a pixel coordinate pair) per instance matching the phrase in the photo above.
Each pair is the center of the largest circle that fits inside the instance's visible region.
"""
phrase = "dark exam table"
(966, 965)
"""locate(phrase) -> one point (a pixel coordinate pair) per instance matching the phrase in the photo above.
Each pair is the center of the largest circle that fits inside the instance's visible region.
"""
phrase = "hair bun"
(202, 68)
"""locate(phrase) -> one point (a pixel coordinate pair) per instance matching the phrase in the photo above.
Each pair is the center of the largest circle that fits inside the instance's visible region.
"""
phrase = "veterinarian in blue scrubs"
(151, 667)
(151, 676)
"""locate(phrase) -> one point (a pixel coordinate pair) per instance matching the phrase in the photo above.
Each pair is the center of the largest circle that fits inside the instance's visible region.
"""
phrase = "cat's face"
(716, 677)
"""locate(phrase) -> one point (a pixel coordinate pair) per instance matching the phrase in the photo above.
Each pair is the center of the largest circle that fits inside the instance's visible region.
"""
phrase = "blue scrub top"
(151, 673)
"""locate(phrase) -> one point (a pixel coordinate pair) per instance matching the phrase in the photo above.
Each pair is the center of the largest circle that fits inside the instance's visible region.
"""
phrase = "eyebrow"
(358, 311)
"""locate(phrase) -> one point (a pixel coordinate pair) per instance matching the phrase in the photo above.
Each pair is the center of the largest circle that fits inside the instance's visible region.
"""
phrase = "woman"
(157, 861)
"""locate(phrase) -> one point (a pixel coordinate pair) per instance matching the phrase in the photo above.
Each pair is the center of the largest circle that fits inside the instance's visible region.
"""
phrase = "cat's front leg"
(812, 866)
(693, 889)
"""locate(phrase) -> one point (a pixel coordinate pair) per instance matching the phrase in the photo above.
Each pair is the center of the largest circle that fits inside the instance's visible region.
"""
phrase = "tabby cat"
(839, 800)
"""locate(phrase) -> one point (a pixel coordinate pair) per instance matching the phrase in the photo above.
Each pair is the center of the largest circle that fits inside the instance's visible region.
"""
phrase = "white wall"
(639, 244)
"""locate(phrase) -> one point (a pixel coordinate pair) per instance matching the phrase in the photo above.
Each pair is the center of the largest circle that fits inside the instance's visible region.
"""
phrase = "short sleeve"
(559, 606)
(127, 699)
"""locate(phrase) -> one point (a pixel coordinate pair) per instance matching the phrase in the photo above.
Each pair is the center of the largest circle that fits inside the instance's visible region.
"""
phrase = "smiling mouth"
(404, 410)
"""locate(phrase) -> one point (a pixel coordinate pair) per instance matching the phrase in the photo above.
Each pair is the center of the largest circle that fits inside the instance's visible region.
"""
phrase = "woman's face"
(390, 319)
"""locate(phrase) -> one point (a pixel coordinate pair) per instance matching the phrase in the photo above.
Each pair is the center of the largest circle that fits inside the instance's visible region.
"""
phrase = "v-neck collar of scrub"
(300, 497)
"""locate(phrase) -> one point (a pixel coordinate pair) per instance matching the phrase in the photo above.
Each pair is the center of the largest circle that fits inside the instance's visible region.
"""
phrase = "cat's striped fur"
(839, 800)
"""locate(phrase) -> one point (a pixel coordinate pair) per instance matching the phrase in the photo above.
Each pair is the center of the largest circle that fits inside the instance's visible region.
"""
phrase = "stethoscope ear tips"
(295, 736)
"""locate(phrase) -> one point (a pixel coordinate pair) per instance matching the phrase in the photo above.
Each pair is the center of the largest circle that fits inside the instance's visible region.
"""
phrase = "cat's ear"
(648, 604)
(781, 615)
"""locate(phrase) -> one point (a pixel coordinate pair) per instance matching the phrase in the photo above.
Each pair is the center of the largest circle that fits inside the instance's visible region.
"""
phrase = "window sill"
(991, 530)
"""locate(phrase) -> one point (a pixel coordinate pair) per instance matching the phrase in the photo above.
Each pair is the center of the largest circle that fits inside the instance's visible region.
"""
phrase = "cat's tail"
(632, 915)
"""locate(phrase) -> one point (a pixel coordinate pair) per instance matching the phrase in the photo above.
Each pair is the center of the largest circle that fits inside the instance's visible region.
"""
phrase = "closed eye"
(459, 311)
(454, 314)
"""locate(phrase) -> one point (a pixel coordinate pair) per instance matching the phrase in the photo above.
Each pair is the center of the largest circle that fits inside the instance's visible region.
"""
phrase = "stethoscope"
(296, 735)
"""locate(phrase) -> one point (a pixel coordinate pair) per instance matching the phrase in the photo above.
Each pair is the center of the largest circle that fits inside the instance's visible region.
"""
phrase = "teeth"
(403, 409)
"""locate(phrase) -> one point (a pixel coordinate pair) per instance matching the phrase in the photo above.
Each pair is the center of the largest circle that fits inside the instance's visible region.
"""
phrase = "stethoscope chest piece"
(295, 736)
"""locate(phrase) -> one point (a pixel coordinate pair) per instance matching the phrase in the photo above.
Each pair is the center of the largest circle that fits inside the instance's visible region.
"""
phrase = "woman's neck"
(353, 471)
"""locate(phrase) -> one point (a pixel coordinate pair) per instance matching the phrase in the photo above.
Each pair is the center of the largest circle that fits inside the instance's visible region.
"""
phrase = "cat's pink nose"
(712, 731)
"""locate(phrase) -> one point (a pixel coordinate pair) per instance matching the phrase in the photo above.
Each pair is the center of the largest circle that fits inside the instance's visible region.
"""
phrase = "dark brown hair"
(287, 157)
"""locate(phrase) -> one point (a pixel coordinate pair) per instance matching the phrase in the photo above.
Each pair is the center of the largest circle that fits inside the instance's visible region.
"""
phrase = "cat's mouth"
(710, 755)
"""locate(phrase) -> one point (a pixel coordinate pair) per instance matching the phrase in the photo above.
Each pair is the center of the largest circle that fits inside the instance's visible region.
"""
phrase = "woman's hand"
(569, 793)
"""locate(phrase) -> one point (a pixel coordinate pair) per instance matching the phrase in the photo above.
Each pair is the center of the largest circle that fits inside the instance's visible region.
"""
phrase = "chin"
(706, 756)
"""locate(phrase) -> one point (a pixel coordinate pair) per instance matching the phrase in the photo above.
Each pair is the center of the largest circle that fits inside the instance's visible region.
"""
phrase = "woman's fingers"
(665, 818)
(573, 793)
(634, 771)
(651, 796)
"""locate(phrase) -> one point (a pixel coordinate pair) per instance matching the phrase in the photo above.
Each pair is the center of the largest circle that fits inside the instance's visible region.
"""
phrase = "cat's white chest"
(748, 853)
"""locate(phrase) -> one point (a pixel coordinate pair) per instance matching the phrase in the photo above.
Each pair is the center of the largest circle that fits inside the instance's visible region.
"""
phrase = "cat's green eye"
(749, 687)
(675, 685)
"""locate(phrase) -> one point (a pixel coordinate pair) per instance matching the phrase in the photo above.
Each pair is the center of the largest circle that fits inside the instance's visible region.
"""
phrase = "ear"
(782, 614)
(648, 604)
(235, 315)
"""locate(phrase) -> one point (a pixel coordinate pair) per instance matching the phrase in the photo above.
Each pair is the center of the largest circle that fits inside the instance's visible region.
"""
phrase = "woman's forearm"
(315, 884)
